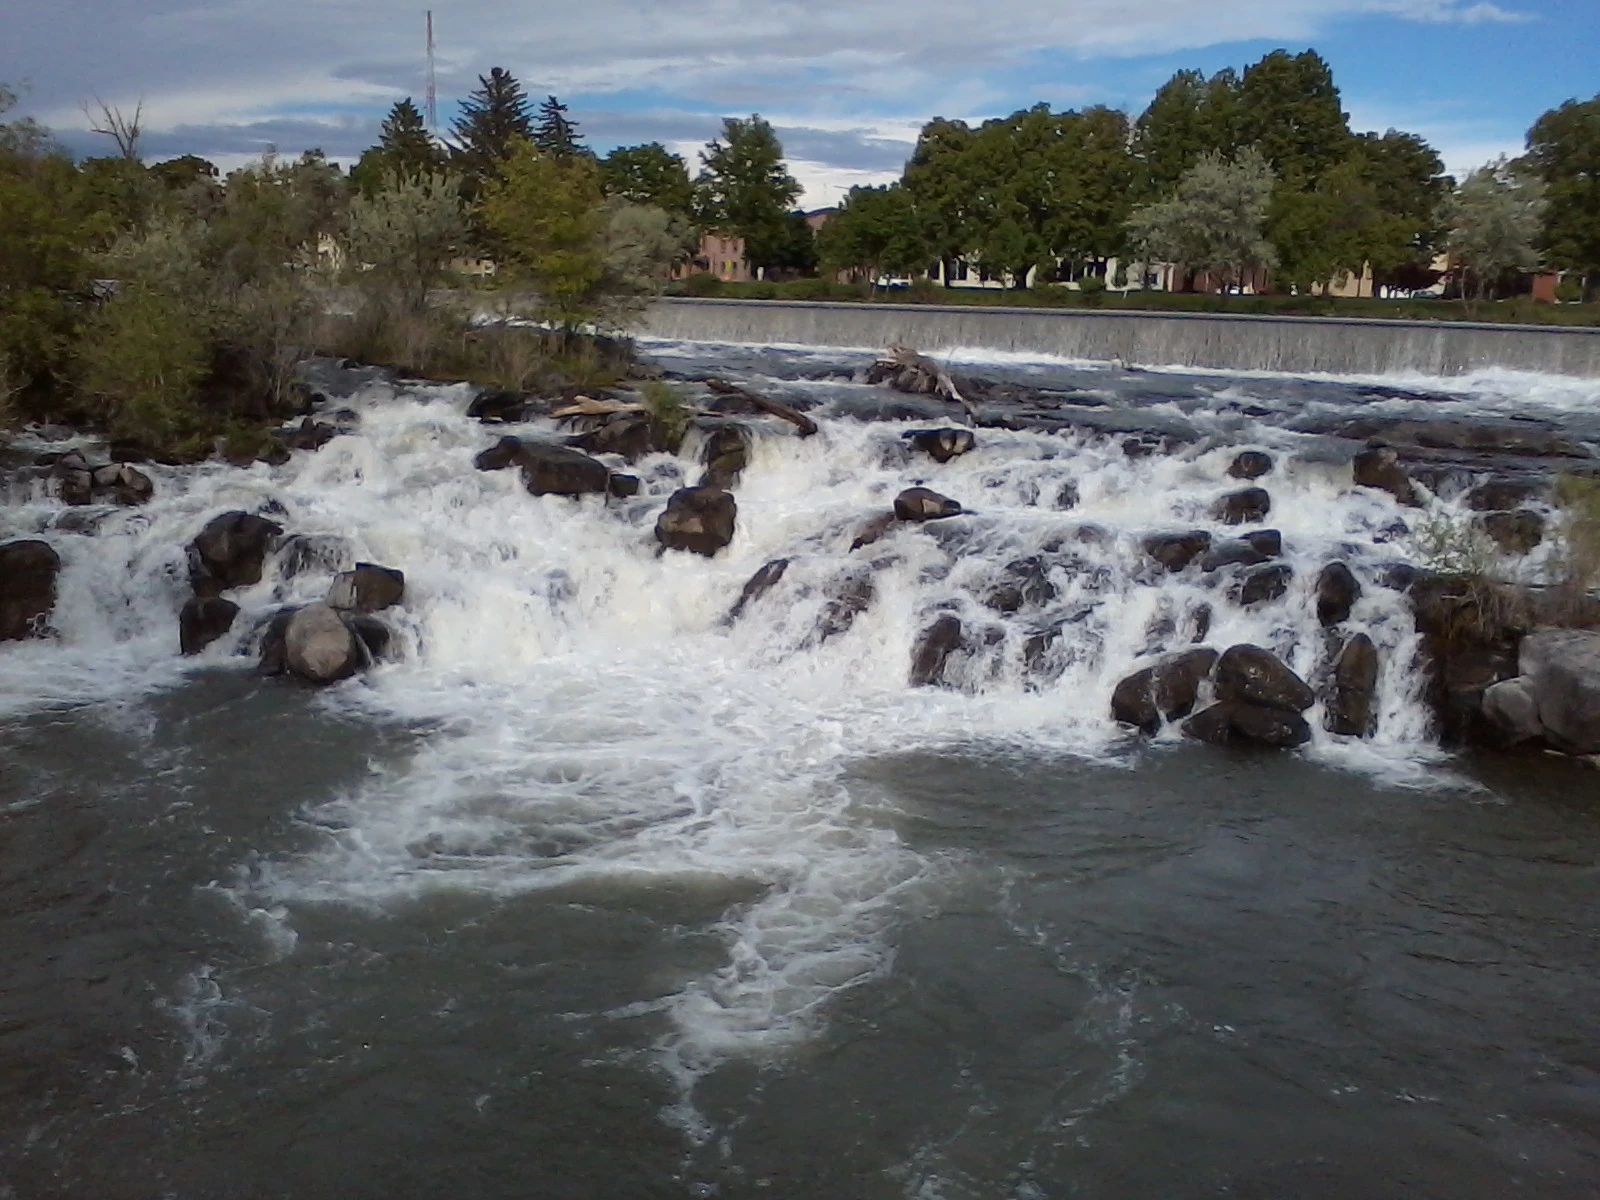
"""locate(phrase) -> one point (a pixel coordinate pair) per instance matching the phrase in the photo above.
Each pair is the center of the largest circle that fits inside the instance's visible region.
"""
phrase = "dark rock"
(632, 436)
(1250, 464)
(1254, 548)
(375, 637)
(308, 435)
(1234, 721)
(933, 649)
(319, 647)
(1175, 551)
(1514, 532)
(1337, 592)
(1023, 583)
(941, 444)
(623, 487)
(1066, 497)
(725, 453)
(849, 596)
(1197, 622)
(923, 504)
(28, 571)
(1261, 584)
(1247, 507)
(551, 470)
(304, 552)
(699, 519)
(274, 659)
(1252, 674)
(125, 485)
(369, 588)
(1379, 467)
(1168, 690)
(758, 585)
(1502, 495)
(1511, 710)
(203, 620)
(1354, 686)
(499, 407)
(500, 455)
(1515, 437)
(874, 529)
(229, 551)
(1563, 671)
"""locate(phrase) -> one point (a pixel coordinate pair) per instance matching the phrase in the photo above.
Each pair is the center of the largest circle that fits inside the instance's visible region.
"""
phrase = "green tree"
(649, 174)
(142, 356)
(405, 150)
(1496, 217)
(936, 180)
(1564, 148)
(494, 118)
(1189, 116)
(875, 233)
(1214, 221)
(403, 236)
(1289, 109)
(640, 244)
(555, 133)
(745, 188)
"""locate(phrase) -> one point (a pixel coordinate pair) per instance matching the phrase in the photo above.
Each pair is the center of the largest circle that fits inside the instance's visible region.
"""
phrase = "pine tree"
(492, 119)
(405, 150)
(556, 133)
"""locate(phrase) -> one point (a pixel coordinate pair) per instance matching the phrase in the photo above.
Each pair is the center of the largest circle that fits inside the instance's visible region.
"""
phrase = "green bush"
(1579, 500)
(668, 411)
(141, 358)
(702, 285)
(1570, 290)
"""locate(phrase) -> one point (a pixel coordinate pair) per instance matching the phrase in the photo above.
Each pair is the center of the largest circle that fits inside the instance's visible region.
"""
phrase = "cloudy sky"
(846, 82)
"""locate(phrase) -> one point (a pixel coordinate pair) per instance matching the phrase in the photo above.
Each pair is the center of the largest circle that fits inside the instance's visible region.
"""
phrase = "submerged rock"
(1379, 467)
(700, 520)
(1514, 532)
(941, 445)
(924, 504)
(1262, 584)
(1175, 551)
(932, 651)
(1233, 721)
(1250, 464)
(28, 572)
(1024, 583)
(873, 530)
(1247, 507)
(369, 588)
(1251, 550)
(849, 596)
(229, 552)
(202, 621)
(1256, 676)
(1168, 690)
(1353, 689)
(758, 585)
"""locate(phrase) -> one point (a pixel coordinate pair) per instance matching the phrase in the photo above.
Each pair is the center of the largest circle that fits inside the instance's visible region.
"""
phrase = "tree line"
(1229, 175)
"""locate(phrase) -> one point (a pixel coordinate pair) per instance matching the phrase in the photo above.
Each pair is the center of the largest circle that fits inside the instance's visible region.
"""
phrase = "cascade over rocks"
(758, 585)
(1353, 687)
(229, 552)
(369, 588)
(1247, 507)
(303, 552)
(1025, 582)
(1250, 464)
(1175, 551)
(849, 596)
(1168, 690)
(873, 530)
(1337, 593)
(941, 445)
(1256, 676)
(202, 621)
(932, 650)
(924, 504)
(1379, 467)
(725, 453)
(698, 519)
(28, 572)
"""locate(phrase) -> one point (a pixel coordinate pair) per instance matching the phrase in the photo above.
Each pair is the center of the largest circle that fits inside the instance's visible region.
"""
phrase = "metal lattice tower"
(433, 89)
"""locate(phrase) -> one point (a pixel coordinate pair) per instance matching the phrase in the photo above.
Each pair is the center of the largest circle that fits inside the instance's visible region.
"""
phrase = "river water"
(593, 892)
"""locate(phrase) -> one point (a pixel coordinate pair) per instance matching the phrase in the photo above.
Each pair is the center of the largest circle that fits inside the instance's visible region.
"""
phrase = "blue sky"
(846, 82)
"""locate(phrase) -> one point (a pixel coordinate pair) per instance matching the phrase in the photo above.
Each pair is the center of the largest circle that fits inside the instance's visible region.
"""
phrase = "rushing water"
(594, 893)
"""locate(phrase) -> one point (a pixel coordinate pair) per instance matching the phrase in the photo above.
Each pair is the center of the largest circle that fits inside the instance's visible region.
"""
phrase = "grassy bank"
(1520, 311)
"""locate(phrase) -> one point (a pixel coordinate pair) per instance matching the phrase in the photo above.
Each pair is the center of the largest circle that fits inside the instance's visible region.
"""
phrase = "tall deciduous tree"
(1289, 109)
(405, 150)
(1215, 220)
(875, 233)
(555, 133)
(1495, 219)
(745, 188)
(1189, 116)
(1564, 148)
(649, 174)
(494, 118)
(940, 191)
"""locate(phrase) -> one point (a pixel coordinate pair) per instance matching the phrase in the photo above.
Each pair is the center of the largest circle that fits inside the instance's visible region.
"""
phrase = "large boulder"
(1249, 506)
(1256, 676)
(1175, 551)
(1261, 584)
(1337, 592)
(941, 445)
(369, 588)
(1168, 690)
(551, 470)
(123, 484)
(499, 456)
(28, 571)
(1514, 532)
(202, 620)
(1233, 721)
(229, 552)
(1250, 464)
(698, 519)
(1353, 687)
(1511, 711)
(933, 648)
(1503, 495)
(758, 585)
(1563, 670)
(1379, 467)
(725, 453)
(924, 504)
(319, 647)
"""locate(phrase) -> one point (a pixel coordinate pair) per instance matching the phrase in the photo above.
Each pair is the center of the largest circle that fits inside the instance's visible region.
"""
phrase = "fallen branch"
(918, 374)
(802, 423)
(586, 406)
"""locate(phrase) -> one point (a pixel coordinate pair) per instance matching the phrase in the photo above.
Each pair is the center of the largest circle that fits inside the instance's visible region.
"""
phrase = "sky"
(846, 83)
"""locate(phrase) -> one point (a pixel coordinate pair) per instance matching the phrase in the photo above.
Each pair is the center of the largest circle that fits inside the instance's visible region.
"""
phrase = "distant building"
(819, 217)
(718, 254)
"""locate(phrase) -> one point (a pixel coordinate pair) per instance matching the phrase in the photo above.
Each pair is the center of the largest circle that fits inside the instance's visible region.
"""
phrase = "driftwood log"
(803, 424)
(907, 371)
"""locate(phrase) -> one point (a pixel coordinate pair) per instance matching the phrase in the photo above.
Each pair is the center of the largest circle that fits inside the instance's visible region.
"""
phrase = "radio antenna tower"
(433, 88)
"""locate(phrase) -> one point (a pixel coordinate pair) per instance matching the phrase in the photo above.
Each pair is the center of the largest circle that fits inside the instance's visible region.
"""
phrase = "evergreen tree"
(649, 174)
(405, 150)
(556, 133)
(493, 119)
(1564, 148)
(745, 188)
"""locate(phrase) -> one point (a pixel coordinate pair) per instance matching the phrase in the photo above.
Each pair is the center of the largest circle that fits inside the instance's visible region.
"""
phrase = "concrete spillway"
(1332, 345)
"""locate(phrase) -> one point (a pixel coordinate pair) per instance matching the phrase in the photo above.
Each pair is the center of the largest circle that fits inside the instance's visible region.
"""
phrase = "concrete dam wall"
(1332, 345)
